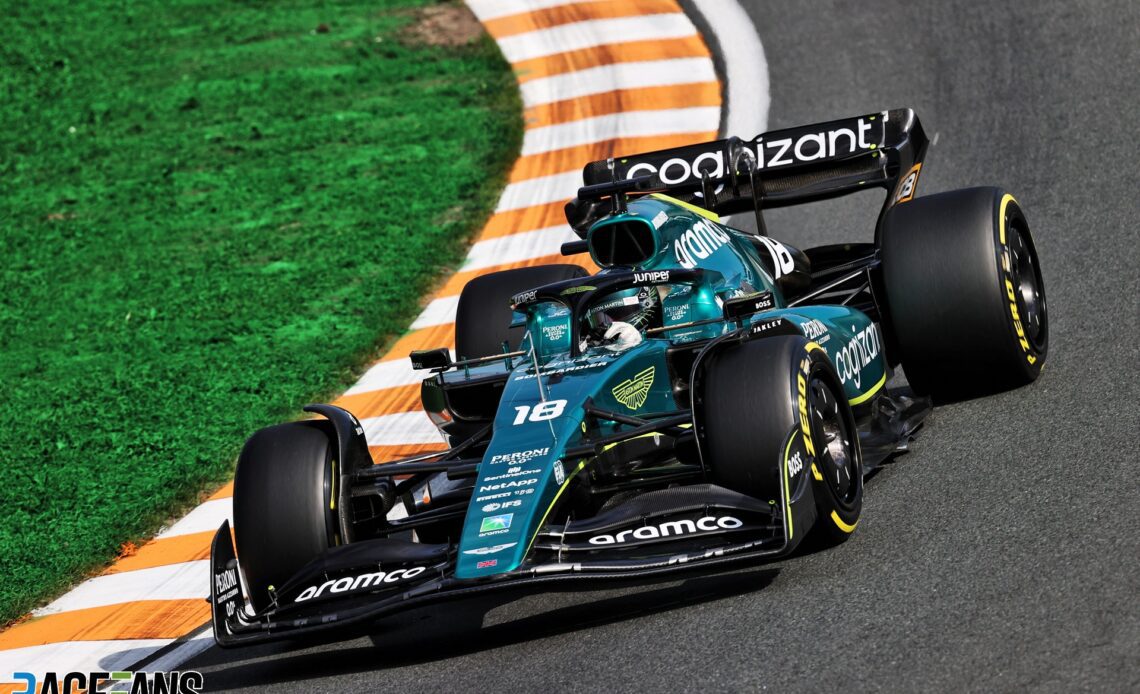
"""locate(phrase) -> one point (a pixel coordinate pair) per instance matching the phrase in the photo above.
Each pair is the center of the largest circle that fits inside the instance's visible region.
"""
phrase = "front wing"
(319, 609)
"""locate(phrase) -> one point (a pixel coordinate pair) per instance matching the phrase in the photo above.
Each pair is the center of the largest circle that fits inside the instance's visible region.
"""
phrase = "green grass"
(211, 213)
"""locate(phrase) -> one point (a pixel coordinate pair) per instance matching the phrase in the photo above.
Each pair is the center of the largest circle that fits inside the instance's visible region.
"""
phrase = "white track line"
(594, 32)
(184, 581)
(440, 311)
(493, 9)
(387, 374)
(92, 655)
(518, 247)
(399, 429)
(747, 97)
(701, 119)
(609, 78)
(558, 187)
(207, 517)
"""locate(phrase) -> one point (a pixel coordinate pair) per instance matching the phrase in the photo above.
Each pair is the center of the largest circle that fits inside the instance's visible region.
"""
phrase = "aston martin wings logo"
(632, 392)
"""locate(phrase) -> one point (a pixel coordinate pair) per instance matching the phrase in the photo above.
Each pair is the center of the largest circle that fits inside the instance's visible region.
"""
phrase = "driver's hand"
(621, 336)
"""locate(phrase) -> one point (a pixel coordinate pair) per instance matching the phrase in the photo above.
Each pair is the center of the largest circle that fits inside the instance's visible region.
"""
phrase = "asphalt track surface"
(1001, 553)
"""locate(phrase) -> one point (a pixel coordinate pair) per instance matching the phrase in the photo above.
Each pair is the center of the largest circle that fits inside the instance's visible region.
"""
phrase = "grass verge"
(210, 213)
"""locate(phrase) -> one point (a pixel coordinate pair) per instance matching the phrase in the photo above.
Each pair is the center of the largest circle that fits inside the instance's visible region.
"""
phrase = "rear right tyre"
(964, 293)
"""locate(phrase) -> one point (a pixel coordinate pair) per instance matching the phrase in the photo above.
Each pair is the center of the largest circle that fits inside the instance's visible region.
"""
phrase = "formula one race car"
(710, 396)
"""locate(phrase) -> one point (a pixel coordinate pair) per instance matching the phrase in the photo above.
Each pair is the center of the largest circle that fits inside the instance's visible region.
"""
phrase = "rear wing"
(783, 167)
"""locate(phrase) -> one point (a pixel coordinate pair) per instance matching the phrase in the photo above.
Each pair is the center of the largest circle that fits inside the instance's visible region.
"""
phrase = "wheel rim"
(835, 453)
(1028, 289)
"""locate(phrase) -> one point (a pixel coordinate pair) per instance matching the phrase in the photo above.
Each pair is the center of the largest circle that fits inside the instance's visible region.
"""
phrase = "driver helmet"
(638, 306)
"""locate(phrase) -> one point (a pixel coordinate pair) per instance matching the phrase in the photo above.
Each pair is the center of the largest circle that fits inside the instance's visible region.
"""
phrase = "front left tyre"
(284, 503)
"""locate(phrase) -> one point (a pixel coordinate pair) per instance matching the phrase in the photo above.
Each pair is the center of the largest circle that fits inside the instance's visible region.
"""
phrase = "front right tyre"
(771, 411)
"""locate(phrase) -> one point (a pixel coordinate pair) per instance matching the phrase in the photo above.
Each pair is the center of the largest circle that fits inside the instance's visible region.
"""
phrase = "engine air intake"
(628, 241)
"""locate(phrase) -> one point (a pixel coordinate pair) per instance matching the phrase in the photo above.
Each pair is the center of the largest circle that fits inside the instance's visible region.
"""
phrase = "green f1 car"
(710, 396)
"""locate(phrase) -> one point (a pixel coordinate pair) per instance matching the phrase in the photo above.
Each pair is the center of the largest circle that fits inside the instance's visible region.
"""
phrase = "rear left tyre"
(483, 317)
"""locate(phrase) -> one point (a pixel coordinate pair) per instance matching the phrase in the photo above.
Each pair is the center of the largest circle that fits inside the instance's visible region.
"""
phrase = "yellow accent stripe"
(565, 483)
(1005, 200)
(332, 491)
(688, 206)
(841, 525)
(788, 485)
(815, 473)
(866, 396)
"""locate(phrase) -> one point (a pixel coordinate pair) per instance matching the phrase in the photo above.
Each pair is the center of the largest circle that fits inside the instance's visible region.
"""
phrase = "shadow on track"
(454, 629)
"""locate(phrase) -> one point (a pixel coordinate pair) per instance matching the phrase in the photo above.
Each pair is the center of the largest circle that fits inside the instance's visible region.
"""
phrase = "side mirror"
(736, 309)
(431, 358)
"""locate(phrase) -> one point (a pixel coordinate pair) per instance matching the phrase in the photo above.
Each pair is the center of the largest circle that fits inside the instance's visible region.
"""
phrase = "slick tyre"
(758, 402)
(284, 514)
(964, 293)
(483, 316)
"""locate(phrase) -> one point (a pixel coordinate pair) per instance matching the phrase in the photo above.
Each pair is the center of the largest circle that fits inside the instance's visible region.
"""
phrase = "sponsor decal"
(226, 590)
(801, 148)
(857, 355)
(494, 525)
(1010, 293)
(493, 496)
(737, 308)
(490, 550)
(540, 412)
(524, 297)
(633, 392)
(354, 583)
(651, 277)
(578, 290)
(660, 219)
(908, 184)
(814, 330)
(678, 170)
(497, 506)
(487, 564)
(562, 369)
(553, 333)
(782, 262)
(502, 495)
(767, 325)
(153, 682)
(674, 528)
(513, 472)
(506, 485)
(559, 473)
(698, 243)
(225, 581)
(795, 464)
(801, 389)
(812, 146)
(519, 457)
(677, 314)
